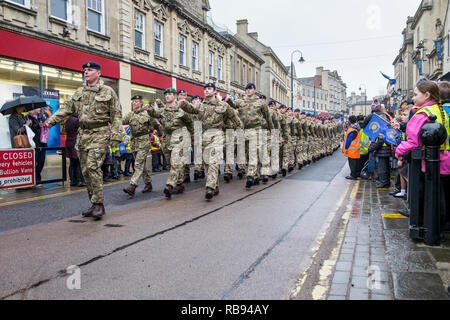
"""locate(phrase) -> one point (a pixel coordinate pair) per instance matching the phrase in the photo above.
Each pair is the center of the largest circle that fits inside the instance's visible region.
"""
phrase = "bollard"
(433, 135)
(416, 229)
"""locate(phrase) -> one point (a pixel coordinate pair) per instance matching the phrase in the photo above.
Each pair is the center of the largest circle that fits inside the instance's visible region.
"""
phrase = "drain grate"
(77, 221)
(114, 225)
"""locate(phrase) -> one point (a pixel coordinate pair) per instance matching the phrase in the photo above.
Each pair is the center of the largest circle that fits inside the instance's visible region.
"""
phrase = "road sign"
(17, 168)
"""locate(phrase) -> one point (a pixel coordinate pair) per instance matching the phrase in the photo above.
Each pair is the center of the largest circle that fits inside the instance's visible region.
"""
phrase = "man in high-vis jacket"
(352, 147)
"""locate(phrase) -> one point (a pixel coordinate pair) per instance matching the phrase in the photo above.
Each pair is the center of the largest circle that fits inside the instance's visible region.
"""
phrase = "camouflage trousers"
(300, 151)
(256, 149)
(173, 152)
(91, 162)
(285, 147)
(213, 142)
(310, 153)
(292, 149)
(140, 167)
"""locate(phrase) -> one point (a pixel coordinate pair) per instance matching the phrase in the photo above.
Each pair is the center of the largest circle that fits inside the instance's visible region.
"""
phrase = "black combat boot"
(249, 183)
(98, 212)
(209, 194)
(148, 188)
(228, 177)
(131, 189)
(168, 191)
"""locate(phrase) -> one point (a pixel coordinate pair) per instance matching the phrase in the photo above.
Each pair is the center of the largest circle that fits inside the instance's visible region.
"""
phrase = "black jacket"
(379, 149)
(16, 122)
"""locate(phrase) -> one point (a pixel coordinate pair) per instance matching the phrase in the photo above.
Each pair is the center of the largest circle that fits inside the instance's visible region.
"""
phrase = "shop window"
(149, 94)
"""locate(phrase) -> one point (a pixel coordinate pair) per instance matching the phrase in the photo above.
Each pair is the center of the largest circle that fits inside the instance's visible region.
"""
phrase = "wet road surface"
(243, 245)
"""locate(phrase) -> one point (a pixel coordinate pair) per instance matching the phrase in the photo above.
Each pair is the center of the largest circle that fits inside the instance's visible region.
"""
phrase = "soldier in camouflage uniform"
(214, 115)
(199, 169)
(100, 116)
(172, 119)
(141, 125)
(300, 157)
(252, 112)
(182, 96)
(292, 139)
(310, 139)
(285, 144)
(273, 111)
(231, 143)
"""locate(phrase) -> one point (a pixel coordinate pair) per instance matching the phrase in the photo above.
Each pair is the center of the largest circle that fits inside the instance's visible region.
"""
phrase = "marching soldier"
(285, 140)
(276, 124)
(172, 118)
(252, 112)
(182, 96)
(300, 139)
(292, 139)
(214, 115)
(141, 126)
(199, 169)
(100, 116)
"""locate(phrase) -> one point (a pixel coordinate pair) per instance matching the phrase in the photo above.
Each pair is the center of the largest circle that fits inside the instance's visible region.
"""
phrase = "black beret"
(92, 64)
(196, 97)
(210, 85)
(250, 86)
(137, 97)
(182, 91)
(282, 106)
(297, 110)
(263, 97)
(272, 102)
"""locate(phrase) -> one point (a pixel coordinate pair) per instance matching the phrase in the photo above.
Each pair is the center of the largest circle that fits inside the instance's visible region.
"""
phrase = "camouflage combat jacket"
(213, 114)
(253, 113)
(100, 115)
(141, 125)
(171, 119)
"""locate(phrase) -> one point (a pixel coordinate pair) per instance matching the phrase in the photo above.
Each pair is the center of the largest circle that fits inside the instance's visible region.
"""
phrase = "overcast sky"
(358, 38)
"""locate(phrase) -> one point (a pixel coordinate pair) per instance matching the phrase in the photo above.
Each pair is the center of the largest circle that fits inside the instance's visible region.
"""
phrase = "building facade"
(275, 79)
(358, 105)
(324, 93)
(144, 47)
(425, 51)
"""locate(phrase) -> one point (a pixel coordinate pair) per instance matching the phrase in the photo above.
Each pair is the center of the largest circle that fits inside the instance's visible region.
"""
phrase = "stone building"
(358, 104)
(275, 80)
(144, 47)
(425, 51)
(324, 93)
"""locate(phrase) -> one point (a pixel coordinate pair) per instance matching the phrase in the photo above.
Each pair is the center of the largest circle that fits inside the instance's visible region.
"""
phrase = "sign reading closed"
(17, 168)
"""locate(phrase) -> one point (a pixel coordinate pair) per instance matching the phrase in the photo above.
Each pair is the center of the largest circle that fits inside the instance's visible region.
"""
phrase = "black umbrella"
(30, 103)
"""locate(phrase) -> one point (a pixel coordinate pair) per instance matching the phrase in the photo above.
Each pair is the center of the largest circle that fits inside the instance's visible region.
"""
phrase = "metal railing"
(63, 163)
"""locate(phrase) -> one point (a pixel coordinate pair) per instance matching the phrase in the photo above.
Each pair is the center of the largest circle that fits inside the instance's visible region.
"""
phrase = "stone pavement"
(379, 261)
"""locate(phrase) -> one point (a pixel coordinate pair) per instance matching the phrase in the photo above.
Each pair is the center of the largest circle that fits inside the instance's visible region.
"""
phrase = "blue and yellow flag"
(375, 127)
(391, 136)
(128, 131)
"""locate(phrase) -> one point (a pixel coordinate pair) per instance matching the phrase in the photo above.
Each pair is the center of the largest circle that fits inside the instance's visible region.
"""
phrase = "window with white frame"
(195, 56)
(211, 64)
(182, 50)
(220, 68)
(139, 29)
(158, 39)
(96, 15)
(25, 3)
(61, 9)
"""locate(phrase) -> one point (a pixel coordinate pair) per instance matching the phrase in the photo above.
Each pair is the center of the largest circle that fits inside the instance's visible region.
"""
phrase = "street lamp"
(365, 96)
(301, 60)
